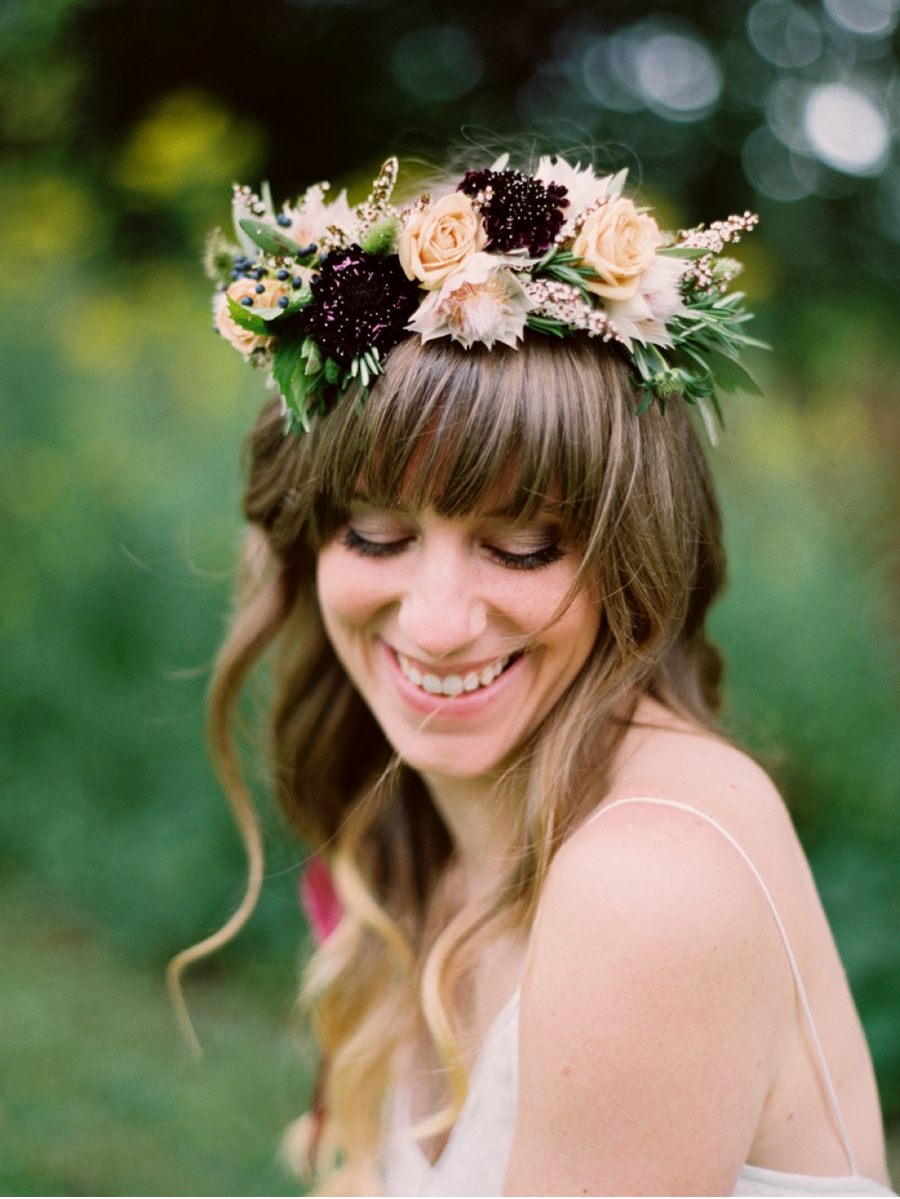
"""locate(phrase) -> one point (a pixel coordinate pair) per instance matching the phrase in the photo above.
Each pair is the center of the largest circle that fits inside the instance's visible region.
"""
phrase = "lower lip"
(456, 707)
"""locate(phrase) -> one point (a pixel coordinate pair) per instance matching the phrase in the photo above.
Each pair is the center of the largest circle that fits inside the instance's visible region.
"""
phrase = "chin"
(457, 761)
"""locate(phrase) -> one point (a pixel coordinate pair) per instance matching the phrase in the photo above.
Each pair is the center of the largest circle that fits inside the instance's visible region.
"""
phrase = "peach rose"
(243, 339)
(618, 243)
(437, 241)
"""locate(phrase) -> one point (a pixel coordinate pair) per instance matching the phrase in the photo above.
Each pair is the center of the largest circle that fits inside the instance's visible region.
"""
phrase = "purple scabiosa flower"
(360, 301)
(518, 211)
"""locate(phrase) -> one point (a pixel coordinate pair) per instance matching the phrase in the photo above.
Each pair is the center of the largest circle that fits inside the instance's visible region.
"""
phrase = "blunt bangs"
(459, 430)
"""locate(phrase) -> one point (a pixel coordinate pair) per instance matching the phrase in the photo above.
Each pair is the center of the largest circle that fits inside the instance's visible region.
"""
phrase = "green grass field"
(98, 1094)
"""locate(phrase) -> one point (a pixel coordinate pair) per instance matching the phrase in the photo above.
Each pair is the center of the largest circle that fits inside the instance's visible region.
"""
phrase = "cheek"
(350, 593)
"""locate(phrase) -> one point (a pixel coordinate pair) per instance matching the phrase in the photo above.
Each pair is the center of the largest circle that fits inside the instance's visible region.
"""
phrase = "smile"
(454, 684)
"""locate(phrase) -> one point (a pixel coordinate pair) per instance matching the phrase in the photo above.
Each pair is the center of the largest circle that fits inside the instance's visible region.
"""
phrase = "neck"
(480, 815)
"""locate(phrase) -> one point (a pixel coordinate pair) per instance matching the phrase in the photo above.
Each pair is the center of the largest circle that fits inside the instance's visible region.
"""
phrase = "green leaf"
(299, 394)
(683, 252)
(709, 420)
(288, 353)
(299, 300)
(270, 238)
(332, 371)
(246, 318)
(569, 274)
(729, 373)
(269, 314)
(312, 357)
(646, 402)
(547, 324)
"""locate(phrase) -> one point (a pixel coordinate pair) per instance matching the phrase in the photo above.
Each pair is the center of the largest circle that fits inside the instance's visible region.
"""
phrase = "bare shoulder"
(653, 977)
(664, 757)
(656, 974)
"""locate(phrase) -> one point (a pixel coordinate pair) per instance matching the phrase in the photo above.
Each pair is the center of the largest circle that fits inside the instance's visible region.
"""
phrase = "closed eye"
(373, 549)
(534, 560)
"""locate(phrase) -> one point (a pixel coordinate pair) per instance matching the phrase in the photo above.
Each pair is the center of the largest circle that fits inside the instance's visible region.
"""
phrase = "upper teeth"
(451, 684)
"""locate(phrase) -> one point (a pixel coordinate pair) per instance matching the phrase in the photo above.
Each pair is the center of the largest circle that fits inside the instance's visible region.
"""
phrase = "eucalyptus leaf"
(270, 239)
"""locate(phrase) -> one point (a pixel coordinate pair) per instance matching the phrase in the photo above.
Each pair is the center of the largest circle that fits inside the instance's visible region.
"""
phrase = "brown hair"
(442, 427)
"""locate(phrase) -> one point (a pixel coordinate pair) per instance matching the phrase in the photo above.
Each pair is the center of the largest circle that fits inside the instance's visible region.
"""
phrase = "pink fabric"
(319, 899)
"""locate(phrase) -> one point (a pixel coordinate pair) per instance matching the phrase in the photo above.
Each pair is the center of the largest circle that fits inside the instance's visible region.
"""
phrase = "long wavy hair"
(447, 427)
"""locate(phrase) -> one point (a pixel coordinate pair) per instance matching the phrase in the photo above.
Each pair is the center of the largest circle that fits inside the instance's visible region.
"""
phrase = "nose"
(441, 611)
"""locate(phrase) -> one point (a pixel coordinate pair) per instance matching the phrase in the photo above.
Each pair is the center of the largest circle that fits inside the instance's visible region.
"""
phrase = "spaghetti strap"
(798, 981)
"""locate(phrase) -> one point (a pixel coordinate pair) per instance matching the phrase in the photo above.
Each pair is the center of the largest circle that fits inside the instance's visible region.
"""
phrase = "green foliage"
(98, 1096)
(382, 237)
(271, 239)
(247, 318)
(218, 257)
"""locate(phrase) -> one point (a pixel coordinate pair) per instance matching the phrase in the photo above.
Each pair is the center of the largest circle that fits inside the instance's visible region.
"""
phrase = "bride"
(570, 942)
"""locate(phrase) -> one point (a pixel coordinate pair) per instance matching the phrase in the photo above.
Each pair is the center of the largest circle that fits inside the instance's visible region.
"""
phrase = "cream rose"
(618, 243)
(243, 339)
(437, 241)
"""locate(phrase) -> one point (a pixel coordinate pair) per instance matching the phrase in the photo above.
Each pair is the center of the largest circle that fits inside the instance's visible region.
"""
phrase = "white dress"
(476, 1156)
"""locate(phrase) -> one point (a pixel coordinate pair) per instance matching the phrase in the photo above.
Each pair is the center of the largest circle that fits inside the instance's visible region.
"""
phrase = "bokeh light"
(784, 33)
(873, 17)
(768, 164)
(678, 76)
(846, 129)
(437, 63)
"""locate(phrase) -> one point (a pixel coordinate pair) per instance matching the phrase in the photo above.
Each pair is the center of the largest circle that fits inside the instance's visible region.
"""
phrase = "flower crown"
(319, 293)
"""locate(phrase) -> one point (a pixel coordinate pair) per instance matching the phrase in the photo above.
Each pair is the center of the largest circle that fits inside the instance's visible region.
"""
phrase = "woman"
(579, 948)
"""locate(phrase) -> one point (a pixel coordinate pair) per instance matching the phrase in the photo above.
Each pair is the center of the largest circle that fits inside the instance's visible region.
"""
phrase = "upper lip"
(445, 668)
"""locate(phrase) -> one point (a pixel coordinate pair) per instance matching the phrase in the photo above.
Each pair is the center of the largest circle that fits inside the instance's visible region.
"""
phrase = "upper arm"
(650, 1013)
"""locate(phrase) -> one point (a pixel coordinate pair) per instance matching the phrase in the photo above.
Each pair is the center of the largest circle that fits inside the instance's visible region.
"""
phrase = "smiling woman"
(462, 609)
(574, 946)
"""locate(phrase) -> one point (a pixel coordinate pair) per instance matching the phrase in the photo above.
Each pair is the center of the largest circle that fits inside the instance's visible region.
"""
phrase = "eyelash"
(535, 560)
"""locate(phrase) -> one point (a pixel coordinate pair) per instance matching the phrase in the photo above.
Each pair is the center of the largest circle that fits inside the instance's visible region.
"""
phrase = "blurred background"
(123, 124)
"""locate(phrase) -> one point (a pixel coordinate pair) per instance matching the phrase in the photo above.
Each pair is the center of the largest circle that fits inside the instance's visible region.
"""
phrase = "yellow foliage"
(100, 334)
(46, 217)
(188, 141)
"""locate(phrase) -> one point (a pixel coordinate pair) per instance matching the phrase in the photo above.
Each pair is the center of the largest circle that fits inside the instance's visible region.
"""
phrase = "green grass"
(98, 1094)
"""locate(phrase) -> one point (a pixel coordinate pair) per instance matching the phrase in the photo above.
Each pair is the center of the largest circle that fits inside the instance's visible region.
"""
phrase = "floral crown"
(318, 293)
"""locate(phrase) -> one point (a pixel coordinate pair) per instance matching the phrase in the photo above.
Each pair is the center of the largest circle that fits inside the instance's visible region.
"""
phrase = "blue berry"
(310, 249)
(283, 274)
(247, 301)
(283, 302)
(283, 220)
(260, 272)
(233, 275)
(296, 282)
(260, 288)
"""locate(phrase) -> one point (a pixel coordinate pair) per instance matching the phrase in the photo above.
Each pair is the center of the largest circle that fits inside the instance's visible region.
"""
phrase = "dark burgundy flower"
(360, 301)
(518, 211)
